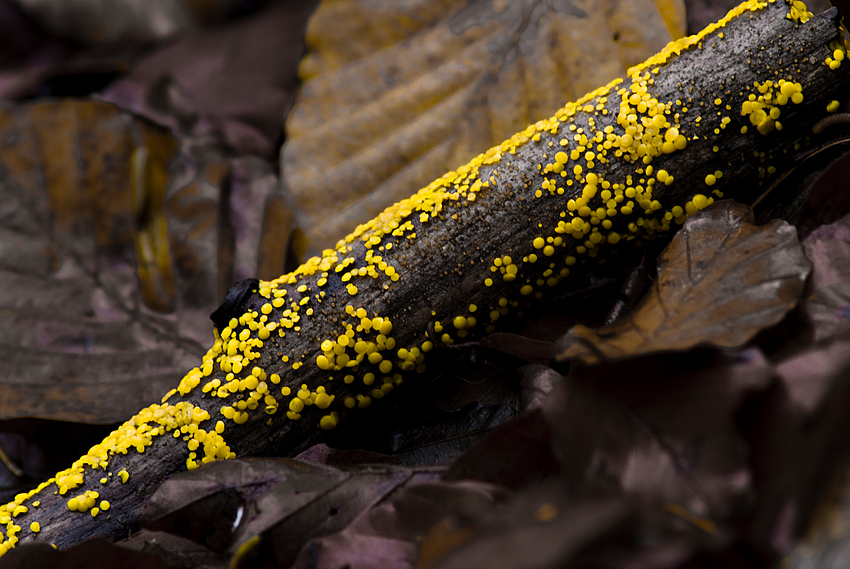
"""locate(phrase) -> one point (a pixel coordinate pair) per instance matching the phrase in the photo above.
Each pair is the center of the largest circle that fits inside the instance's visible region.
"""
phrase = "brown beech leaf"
(389, 534)
(538, 529)
(270, 508)
(99, 22)
(798, 436)
(421, 87)
(113, 253)
(828, 305)
(231, 84)
(720, 281)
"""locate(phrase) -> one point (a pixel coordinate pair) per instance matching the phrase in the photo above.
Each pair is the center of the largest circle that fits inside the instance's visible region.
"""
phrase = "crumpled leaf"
(543, 527)
(229, 85)
(720, 281)
(828, 305)
(515, 455)
(99, 22)
(113, 253)
(797, 434)
(537, 382)
(660, 427)
(284, 502)
(389, 534)
(527, 534)
(394, 95)
(27, 53)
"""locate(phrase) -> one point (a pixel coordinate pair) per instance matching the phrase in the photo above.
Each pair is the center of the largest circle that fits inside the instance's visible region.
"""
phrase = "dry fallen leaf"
(270, 508)
(396, 95)
(828, 305)
(99, 22)
(113, 253)
(720, 281)
(229, 85)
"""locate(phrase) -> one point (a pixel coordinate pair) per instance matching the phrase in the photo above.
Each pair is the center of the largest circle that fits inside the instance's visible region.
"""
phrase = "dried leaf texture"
(109, 264)
(828, 305)
(395, 95)
(720, 281)
(229, 85)
(98, 22)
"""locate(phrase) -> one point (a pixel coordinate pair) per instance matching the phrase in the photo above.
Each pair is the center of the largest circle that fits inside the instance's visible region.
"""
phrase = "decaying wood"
(443, 268)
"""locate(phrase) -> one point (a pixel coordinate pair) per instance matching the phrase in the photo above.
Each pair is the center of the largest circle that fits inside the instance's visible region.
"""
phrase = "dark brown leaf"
(90, 554)
(515, 455)
(720, 281)
(797, 436)
(389, 534)
(660, 427)
(113, 253)
(223, 506)
(231, 85)
(95, 22)
(828, 305)
(533, 531)
(85, 263)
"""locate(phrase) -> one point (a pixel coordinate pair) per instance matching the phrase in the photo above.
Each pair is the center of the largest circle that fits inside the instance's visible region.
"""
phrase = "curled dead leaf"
(720, 281)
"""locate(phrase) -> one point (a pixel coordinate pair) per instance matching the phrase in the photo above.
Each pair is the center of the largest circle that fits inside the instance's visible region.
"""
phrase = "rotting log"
(714, 115)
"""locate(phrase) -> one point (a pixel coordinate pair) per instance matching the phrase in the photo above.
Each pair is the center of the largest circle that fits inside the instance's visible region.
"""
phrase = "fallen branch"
(714, 115)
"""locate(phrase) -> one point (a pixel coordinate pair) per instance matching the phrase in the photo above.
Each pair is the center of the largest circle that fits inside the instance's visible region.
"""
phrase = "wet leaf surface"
(720, 281)
(421, 88)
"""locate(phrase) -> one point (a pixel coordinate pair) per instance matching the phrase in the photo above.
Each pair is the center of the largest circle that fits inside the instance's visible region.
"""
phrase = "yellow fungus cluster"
(84, 502)
(136, 434)
(799, 12)
(763, 110)
(839, 53)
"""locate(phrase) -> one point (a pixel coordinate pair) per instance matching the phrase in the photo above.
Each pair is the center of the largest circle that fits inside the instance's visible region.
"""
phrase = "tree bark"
(443, 267)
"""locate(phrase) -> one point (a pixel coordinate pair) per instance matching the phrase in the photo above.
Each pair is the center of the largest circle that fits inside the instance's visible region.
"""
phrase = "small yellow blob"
(328, 422)
(35, 527)
(710, 180)
(833, 106)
